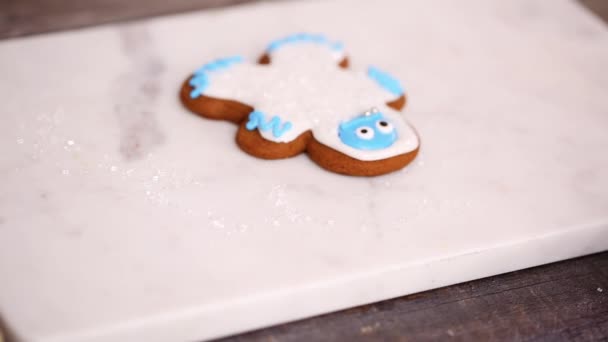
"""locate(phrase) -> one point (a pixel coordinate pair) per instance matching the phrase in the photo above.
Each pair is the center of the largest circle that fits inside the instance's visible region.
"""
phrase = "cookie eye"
(365, 133)
(384, 126)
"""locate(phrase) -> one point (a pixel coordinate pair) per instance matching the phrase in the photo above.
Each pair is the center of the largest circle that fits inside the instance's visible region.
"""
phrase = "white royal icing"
(304, 86)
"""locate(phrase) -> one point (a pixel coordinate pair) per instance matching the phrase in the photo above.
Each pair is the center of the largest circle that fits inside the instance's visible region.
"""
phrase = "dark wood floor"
(565, 301)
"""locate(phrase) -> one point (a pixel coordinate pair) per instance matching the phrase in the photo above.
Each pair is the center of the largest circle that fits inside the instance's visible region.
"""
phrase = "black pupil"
(383, 123)
(364, 131)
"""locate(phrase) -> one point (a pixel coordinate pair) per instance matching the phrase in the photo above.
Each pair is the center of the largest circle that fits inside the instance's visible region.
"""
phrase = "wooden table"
(561, 301)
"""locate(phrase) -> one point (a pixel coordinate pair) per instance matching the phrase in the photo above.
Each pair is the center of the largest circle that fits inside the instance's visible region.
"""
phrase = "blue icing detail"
(317, 38)
(256, 120)
(368, 132)
(385, 80)
(200, 80)
(302, 38)
(337, 46)
(274, 45)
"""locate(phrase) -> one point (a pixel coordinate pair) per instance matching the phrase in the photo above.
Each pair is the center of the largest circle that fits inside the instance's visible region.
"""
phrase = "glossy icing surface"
(304, 86)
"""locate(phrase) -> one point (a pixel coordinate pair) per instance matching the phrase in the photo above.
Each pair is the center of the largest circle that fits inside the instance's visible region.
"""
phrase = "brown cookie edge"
(338, 162)
(398, 103)
(254, 144)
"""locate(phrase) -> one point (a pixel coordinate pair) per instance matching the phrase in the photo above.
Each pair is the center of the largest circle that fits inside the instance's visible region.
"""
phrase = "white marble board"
(125, 218)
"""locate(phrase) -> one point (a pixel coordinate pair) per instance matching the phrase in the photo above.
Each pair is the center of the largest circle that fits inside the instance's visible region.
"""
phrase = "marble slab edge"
(265, 309)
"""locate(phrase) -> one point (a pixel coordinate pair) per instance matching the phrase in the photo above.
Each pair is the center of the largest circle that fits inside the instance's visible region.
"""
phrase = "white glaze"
(304, 52)
(304, 86)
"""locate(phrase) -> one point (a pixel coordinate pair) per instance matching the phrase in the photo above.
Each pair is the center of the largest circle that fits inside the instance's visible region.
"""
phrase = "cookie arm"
(334, 49)
(391, 85)
(194, 97)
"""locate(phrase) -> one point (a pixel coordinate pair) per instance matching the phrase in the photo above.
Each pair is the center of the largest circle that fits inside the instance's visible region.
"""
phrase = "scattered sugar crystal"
(218, 223)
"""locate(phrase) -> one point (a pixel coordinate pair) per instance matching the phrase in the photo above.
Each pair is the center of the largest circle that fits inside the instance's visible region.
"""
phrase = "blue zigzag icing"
(385, 80)
(256, 120)
(200, 80)
(304, 37)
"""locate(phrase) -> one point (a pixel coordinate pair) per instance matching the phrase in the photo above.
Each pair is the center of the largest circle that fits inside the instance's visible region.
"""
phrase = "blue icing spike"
(253, 121)
(236, 59)
(195, 93)
(211, 66)
(337, 46)
(256, 120)
(317, 38)
(371, 131)
(222, 63)
(304, 37)
(279, 131)
(385, 80)
(200, 80)
(274, 45)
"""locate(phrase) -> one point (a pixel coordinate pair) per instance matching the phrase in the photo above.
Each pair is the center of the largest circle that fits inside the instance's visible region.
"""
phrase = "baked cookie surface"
(300, 97)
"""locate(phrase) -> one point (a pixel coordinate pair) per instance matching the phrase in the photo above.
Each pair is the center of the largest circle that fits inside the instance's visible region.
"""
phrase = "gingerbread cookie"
(301, 97)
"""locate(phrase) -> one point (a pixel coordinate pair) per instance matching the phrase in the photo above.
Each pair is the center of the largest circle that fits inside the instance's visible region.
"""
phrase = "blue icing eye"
(368, 132)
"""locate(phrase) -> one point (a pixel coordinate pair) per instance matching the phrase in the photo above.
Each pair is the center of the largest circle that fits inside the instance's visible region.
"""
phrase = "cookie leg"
(338, 162)
(253, 143)
(214, 108)
(398, 103)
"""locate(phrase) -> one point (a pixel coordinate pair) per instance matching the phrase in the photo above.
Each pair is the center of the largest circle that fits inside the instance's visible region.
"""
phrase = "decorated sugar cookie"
(300, 97)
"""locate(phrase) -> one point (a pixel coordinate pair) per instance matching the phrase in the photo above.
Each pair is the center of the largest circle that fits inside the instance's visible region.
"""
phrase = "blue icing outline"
(200, 80)
(256, 120)
(304, 38)
(348, 133)
(385, 80)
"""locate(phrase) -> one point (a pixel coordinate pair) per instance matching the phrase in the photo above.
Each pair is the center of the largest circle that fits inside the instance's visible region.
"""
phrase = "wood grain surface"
(565, 301)
(27, 17)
